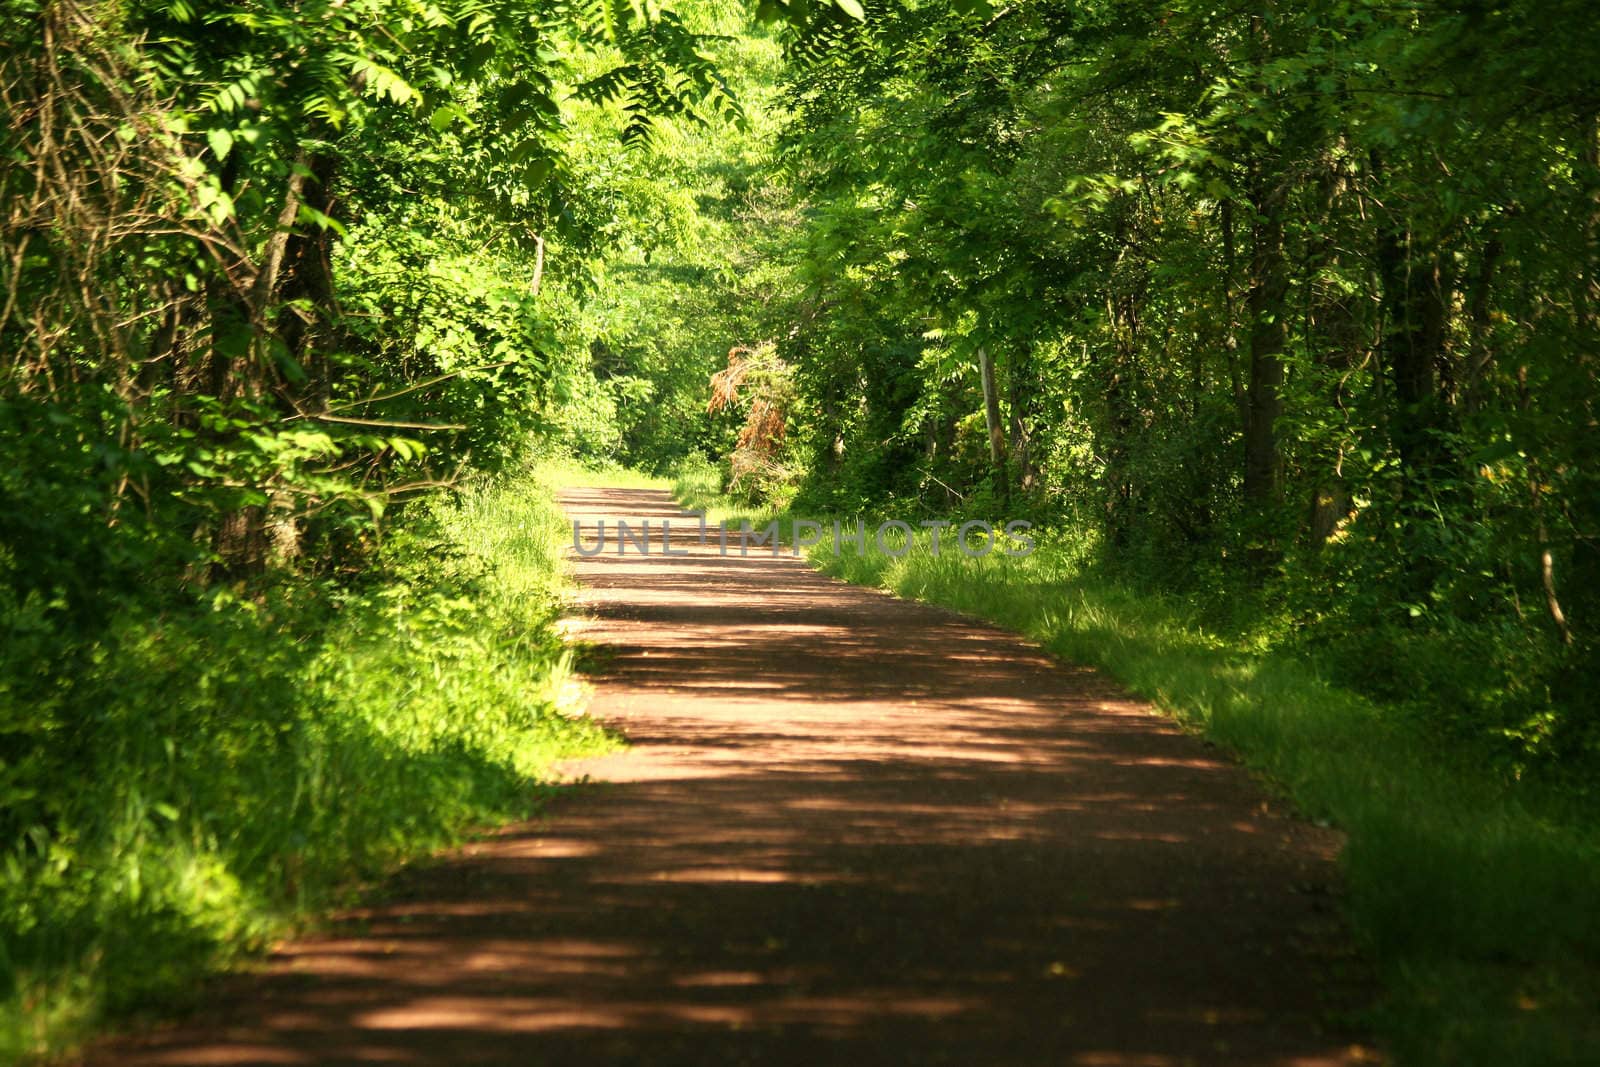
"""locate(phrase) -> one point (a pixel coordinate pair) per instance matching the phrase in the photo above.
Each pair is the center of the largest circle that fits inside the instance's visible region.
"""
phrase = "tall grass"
(1477, 900)
(216, 770)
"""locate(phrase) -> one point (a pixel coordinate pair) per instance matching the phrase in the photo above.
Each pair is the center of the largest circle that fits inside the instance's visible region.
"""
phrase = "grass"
(570, 473)
(1478, 903)
(213, 775)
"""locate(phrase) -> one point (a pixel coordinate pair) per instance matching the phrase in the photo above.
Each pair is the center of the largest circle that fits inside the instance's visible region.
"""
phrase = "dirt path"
(851, 830)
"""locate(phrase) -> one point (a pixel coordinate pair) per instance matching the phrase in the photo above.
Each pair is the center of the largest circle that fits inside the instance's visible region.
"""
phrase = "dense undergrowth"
(1476, 896)
(210, 770)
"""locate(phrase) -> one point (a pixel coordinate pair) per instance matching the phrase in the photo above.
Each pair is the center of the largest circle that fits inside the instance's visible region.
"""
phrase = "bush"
(204, 771)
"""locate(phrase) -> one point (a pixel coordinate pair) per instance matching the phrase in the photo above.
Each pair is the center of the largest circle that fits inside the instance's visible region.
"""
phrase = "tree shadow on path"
(851, 830)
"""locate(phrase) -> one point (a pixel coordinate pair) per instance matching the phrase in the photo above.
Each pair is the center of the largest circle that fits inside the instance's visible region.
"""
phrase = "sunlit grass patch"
(568, 473)
(255, 757)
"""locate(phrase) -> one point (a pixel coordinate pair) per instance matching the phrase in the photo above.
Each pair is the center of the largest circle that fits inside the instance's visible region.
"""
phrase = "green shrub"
(206, 772)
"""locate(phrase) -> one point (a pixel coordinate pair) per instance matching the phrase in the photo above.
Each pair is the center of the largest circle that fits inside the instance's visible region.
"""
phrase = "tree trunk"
(1121, 404)
(307, 275)
(1416, 292)
(1023, 387)
(1588, 284)
(1269, 287)
(991, 418)
(1334, 342)
(253, 537)
(266, 284)
(1480, 354)
(1230, 316)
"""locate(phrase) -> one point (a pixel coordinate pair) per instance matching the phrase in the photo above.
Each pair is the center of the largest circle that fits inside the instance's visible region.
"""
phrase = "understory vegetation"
(237, 761)
(1281, 324)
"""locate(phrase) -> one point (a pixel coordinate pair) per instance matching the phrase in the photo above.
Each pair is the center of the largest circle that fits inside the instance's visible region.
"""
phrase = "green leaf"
(536, 172)
(1493, 453)
(380, 81)
(407, 448)
(321, 220)
(445, 116)
(221, 142)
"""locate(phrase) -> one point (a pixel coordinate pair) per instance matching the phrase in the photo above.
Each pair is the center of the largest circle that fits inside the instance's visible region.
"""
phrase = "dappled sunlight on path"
(850, 830)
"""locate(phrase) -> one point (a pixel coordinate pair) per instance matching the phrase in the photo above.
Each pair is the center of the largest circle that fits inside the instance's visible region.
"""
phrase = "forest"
(1279, 322)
